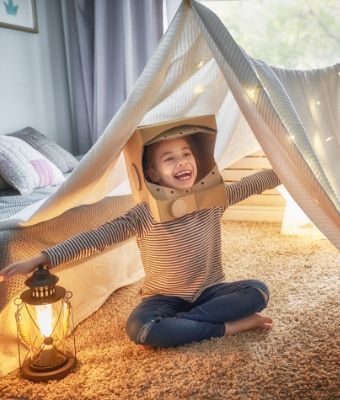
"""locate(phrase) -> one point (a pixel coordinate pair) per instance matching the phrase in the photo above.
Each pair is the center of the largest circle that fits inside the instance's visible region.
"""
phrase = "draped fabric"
(198, 69)
(107, 46)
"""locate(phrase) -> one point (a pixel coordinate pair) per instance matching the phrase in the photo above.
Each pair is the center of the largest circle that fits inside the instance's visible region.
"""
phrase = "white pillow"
(24, 168)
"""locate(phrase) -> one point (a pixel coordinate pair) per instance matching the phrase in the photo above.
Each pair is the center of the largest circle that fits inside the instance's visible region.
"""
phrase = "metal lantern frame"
(44, 319)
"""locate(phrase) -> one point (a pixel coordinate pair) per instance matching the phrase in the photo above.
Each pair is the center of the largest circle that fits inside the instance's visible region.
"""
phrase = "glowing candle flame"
(44, 319)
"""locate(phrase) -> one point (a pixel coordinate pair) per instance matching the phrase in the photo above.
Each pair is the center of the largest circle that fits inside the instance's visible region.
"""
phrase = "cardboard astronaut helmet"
(167, 203)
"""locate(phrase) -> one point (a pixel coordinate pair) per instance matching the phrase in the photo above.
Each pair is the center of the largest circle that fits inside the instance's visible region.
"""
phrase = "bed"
(91, 281)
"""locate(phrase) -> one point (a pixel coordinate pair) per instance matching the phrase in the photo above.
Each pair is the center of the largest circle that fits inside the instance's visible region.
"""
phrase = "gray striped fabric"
(11, 202)
(303, 151)
(182, 257)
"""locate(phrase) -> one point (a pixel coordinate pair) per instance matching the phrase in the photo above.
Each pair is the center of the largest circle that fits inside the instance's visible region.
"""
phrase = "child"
(185, 297)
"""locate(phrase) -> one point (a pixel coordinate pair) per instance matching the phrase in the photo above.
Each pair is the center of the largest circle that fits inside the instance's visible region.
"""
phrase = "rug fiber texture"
(299, 359)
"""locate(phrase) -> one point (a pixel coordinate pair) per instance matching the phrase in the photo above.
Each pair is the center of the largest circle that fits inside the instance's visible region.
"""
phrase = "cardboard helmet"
(166, 203)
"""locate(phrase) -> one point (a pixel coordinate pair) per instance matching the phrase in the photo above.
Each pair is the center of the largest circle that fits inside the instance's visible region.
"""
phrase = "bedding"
(3, 184)
(11, 202)
(60, 157)
(24, 168)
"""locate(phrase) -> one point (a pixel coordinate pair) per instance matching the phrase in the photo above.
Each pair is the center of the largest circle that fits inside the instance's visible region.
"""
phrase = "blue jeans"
(166, 321)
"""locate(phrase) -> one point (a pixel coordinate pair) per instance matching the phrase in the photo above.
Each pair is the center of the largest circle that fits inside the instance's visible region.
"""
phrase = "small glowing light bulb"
(44, 319)
(199, 89)
(200, 64)
(317, 102)
(291, 137)
(329, 138)
(253, 93)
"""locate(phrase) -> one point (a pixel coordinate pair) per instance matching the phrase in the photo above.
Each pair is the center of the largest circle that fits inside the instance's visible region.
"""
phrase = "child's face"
(173, 164)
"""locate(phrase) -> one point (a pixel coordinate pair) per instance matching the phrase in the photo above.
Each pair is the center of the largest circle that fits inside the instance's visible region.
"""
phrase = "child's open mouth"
(183, 175)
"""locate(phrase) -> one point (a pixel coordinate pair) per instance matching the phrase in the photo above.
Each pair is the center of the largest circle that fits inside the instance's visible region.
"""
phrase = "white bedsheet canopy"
(198, 69)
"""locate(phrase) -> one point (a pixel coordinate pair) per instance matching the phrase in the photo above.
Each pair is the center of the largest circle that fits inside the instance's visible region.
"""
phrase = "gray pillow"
(24, 168)
(60, 157)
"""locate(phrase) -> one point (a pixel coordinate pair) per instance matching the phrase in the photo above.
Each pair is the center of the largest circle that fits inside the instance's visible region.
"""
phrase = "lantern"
(44, 320)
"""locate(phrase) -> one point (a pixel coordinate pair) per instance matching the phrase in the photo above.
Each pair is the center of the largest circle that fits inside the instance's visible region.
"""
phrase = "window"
(291, 34)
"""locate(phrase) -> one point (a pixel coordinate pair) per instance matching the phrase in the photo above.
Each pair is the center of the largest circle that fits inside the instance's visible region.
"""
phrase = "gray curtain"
(107, 44)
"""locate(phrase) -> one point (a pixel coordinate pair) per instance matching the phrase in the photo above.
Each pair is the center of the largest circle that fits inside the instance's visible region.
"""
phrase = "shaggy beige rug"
(299, 359)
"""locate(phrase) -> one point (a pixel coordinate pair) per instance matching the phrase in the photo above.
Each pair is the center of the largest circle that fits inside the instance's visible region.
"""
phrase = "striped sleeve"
(252, 184)
(136, 221)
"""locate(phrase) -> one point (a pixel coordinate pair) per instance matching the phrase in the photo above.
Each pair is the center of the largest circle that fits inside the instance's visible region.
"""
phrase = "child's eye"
(168, 159)
(187, 154)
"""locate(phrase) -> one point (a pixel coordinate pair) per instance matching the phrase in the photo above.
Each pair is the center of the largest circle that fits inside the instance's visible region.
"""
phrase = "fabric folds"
(199, 69)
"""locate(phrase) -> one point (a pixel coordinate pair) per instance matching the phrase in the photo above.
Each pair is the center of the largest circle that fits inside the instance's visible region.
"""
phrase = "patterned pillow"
(60, 157)
(24, 168)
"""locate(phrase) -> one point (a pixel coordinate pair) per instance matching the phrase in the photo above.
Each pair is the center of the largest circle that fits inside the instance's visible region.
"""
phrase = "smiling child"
(185, 296)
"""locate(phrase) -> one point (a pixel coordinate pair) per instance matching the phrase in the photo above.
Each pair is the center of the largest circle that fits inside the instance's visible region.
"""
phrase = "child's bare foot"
(145, 347)
(256, 320)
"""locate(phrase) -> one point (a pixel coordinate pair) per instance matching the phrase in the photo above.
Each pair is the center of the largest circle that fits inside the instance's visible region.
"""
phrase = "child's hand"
(23, 267)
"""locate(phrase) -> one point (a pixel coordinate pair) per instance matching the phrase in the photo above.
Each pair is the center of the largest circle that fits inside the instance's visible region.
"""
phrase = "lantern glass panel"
(43, 328)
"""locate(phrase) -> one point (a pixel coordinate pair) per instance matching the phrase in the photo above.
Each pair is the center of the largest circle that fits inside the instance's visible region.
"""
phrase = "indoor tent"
(198, 69)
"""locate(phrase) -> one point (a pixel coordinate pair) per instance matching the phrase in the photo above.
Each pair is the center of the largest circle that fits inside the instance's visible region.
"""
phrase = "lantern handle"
(68, 295)
(18, 301)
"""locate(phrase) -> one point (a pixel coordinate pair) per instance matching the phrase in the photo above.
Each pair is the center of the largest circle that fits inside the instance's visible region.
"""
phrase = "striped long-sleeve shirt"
(182, 257)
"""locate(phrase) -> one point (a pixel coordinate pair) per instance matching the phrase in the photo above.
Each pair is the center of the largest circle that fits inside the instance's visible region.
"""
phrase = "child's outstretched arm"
(77, 247)
(252, 184)
(23, 267)
(85, 244)
(135, 221)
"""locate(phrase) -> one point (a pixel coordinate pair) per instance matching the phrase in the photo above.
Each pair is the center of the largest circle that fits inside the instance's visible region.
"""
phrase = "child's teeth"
(183, 175)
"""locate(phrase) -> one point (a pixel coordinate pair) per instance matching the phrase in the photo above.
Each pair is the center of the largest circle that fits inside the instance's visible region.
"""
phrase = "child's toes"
(268, 326)
(267, 320)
